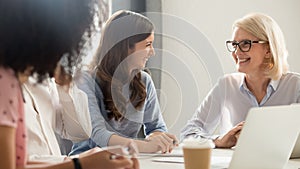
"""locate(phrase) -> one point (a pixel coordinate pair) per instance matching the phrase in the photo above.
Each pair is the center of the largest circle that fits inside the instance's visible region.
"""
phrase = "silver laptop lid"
(296, 151)
(267, 138)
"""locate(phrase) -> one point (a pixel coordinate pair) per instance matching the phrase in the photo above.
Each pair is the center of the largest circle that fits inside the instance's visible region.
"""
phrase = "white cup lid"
(198, 143)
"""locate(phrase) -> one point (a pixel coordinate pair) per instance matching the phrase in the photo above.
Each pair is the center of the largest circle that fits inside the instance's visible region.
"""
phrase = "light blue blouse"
(229, 101)
(150, 116)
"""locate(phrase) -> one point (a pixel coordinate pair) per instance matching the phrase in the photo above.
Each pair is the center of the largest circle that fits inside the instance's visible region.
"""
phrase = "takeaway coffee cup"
(197, 153)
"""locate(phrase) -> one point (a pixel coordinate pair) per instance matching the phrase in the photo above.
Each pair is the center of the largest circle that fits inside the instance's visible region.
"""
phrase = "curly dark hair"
(37, 33)
(122, 31)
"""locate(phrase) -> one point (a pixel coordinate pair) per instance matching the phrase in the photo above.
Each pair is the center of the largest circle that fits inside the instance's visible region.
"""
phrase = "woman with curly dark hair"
(122, 97)
(34, 36)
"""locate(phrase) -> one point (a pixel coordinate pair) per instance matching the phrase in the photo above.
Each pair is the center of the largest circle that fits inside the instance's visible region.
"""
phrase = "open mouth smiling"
(243, 60)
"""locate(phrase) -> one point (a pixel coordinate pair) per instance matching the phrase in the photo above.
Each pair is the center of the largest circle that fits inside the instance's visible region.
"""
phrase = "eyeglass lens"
(244, 45)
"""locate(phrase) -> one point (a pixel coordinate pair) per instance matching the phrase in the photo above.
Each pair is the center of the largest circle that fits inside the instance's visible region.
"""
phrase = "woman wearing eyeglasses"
(259, 51)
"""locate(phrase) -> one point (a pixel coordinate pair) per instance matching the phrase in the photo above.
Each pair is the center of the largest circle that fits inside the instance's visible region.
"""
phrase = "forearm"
(117, 140)
(141, 144)
(46, 158)
(155, 133)
(65, 165)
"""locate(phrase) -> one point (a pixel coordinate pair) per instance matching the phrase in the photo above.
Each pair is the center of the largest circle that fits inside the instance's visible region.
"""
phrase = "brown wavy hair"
(122, 31)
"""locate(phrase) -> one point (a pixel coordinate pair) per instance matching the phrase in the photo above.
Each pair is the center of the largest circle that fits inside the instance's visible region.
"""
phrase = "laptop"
(267, 138)
(296, 151)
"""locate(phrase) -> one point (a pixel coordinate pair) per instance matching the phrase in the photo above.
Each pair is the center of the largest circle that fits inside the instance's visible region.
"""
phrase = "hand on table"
(160, 141)
(104, 160)
(229, 139)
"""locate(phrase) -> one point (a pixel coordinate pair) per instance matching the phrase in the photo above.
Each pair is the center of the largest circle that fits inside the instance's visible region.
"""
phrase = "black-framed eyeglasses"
(244, 45)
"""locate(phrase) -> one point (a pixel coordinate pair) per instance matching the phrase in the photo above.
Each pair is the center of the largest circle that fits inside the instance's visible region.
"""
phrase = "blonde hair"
(265, 28)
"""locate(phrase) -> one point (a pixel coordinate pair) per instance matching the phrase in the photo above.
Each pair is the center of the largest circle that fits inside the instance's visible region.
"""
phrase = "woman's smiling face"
(250, 62)
(142, 51)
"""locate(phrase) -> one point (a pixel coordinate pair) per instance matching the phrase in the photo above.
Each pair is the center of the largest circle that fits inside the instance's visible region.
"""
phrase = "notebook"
(267, 138)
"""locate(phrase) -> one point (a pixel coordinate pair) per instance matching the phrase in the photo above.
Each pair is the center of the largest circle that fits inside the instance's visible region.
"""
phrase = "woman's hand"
(103, 160)
(229, 139)
(160, 141)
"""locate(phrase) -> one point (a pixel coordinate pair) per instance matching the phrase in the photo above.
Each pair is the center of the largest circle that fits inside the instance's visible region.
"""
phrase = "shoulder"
(8, 81)
(290, 79)
(10, 97)
(84, 77)
(291, 76)
(40, 91)
(146, 77)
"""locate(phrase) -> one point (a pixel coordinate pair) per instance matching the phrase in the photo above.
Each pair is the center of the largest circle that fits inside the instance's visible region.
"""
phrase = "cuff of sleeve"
(212, 137)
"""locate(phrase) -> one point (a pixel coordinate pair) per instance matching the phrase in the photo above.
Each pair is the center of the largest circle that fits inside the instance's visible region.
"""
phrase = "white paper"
(214, 160)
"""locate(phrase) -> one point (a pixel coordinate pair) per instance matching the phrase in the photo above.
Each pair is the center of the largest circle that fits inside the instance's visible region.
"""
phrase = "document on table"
(177, 152)
(215, 161)
(169, 159)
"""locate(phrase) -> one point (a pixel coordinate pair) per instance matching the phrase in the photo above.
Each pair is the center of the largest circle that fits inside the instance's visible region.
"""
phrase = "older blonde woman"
(259, 51)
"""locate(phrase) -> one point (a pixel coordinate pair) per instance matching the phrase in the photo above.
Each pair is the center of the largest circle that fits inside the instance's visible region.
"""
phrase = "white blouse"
(51, 108)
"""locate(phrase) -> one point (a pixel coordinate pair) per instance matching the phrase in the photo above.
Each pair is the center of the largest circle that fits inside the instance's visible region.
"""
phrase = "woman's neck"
(258, 86)
(23, 76)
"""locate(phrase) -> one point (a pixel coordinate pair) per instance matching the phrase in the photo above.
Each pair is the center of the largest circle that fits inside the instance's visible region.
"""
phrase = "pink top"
(12, 111)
